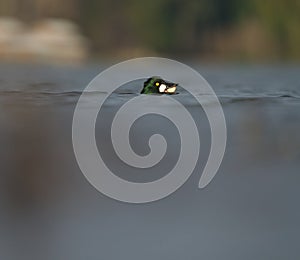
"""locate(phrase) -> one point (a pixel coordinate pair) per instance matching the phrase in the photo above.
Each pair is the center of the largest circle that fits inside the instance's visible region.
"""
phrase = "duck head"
(156, 85)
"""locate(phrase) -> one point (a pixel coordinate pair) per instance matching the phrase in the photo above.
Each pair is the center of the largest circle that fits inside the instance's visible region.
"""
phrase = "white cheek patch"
(162, 88)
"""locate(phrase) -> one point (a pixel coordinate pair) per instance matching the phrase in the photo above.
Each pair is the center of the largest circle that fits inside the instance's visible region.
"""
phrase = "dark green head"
(156, 85)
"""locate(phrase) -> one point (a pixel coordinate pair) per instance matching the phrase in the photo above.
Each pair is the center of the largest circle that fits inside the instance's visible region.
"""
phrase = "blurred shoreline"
(75, 31)
(46, 41)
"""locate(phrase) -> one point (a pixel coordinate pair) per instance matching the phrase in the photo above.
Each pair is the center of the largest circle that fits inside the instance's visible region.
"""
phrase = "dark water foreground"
(250, 210)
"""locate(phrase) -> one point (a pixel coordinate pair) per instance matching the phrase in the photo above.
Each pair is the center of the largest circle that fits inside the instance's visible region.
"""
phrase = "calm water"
(250, 210)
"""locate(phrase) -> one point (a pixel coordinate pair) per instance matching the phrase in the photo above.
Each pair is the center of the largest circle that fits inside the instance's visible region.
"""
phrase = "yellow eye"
(157, 84)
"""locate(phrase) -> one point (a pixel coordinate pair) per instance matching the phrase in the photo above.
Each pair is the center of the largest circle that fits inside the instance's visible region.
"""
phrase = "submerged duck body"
(156, 85)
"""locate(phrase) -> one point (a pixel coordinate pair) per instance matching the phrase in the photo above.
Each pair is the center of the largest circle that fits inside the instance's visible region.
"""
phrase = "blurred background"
(249, 52)
(76, 30)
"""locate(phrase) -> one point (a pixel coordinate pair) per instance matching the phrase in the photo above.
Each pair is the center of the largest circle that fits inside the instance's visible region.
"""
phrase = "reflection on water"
(250, 210)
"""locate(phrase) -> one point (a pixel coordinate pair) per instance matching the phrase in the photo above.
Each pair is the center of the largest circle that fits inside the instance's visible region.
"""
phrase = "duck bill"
(171, 89)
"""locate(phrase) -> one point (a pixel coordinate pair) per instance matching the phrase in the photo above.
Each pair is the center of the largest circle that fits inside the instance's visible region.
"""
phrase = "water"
(48, 210)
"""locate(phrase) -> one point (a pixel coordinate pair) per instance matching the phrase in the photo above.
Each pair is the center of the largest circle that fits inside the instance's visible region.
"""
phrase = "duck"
(157, 85)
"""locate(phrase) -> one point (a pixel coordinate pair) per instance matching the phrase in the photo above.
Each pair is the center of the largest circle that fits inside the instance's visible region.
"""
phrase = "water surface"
(250, 210)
